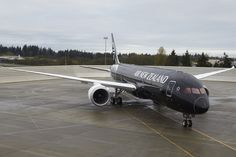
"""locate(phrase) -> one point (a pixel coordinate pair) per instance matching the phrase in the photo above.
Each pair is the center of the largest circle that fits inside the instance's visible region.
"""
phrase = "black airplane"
(177, 90)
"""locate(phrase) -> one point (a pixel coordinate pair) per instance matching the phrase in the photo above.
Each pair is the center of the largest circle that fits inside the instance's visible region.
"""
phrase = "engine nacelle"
(99, 95)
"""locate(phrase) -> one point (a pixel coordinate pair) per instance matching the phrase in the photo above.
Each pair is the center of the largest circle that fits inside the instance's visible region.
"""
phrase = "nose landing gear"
(187, 122)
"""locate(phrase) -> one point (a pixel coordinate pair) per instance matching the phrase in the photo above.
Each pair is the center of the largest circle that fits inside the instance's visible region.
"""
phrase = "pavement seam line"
(160, 134)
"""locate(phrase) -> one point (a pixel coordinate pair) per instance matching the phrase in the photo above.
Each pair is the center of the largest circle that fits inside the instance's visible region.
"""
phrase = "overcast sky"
(138, 25)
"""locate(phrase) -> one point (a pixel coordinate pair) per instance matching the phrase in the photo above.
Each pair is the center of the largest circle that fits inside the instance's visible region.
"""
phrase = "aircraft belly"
(148, 92)
(180, 105)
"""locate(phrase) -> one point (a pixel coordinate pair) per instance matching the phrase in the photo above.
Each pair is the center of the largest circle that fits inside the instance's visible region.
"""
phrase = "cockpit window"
(187, 91)
(203, 90)
(194, 91)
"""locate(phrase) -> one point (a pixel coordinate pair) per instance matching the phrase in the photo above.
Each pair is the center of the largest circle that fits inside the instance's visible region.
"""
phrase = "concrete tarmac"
(46, 117)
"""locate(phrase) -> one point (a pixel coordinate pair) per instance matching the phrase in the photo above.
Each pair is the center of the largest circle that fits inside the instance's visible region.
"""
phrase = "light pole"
(105, 38)
(65, 59)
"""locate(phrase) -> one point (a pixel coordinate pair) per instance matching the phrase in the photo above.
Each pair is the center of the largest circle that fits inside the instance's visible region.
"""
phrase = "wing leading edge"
(96, 68)
(201, 76)
(126, 86)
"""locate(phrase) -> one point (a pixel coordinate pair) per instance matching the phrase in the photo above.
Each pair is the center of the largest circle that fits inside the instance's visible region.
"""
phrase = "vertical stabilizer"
(114, 52)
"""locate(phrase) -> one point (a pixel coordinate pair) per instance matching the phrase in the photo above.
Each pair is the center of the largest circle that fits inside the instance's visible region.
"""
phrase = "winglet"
(114, 52)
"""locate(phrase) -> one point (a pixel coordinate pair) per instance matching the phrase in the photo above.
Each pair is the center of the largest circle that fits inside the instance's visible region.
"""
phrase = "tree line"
(34, 55)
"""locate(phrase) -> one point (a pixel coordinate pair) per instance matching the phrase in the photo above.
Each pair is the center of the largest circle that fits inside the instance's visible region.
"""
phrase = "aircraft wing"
(96, 68)
(201, 76)
(126, 86)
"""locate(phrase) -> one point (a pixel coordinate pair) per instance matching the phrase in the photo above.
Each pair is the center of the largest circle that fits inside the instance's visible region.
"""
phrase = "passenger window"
(187, 91)
(195, 91)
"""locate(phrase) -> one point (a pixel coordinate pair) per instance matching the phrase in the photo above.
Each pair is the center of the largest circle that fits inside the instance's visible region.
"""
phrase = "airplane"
(177, 90)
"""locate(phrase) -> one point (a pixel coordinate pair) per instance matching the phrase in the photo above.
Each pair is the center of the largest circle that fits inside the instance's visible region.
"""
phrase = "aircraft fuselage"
(175, 89)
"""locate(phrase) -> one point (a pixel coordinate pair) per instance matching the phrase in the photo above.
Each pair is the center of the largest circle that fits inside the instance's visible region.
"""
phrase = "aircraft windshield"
(194, 91)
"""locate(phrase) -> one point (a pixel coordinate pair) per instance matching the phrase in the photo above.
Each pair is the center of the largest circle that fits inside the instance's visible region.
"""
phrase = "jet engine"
(99, 95)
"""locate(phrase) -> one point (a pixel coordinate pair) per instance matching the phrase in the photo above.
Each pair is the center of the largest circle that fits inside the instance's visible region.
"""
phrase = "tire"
(119, 101)
(190, 123)
(185, 124)
(113, 101)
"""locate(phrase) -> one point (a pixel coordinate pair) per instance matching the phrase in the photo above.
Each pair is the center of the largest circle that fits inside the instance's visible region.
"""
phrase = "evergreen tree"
(227, 62)
(172, 59)
(203, 61)
(224, 62)
(186, 61)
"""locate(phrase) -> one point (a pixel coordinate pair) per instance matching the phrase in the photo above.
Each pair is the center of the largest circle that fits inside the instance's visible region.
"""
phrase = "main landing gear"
(187, 122)
(115, 100)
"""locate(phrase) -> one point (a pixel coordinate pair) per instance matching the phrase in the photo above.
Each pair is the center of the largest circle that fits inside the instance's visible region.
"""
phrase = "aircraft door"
(170, 88)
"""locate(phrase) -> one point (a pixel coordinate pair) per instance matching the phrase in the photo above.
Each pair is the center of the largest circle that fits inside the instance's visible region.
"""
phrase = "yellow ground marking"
(160, 134)
(214, 139)
(200, 132)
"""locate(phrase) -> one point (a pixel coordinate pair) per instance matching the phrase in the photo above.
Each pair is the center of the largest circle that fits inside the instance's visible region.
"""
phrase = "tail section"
(114, 52)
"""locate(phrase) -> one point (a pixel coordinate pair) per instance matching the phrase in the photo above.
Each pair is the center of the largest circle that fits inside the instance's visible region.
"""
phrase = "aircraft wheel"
(116, 101)
(119, 101)
(113, 101)
(190, 123)
(185, 124)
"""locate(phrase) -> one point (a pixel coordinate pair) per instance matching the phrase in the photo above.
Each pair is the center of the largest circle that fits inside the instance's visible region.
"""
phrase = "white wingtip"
(201, 76)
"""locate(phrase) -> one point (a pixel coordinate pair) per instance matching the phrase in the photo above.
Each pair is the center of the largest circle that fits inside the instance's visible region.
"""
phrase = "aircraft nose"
(201, 105)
